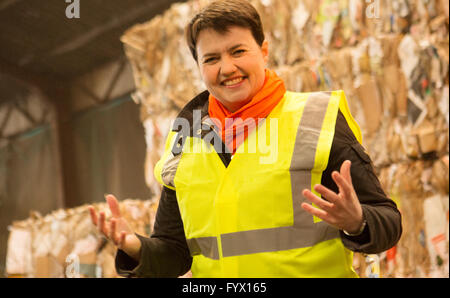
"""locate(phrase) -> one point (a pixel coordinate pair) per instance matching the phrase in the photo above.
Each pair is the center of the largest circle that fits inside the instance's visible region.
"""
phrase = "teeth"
(233, 82)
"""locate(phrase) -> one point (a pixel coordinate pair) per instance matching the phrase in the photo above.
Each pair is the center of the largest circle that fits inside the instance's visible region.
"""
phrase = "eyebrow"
(229, 50)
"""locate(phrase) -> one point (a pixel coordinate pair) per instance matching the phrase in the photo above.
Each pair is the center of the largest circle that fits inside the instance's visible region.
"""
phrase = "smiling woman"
(227, 213)
(230, 50)
(232, 65)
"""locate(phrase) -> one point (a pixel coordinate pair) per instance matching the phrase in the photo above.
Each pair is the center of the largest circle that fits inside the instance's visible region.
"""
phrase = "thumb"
(113, 205)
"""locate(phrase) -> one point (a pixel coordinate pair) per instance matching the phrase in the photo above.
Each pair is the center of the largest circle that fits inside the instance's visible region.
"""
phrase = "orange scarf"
(232, 125)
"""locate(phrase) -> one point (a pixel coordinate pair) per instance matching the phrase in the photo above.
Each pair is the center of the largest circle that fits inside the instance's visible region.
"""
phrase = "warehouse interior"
(88, 90)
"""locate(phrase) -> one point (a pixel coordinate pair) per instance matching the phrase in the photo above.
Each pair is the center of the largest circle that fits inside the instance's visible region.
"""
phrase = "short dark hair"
(219, 16)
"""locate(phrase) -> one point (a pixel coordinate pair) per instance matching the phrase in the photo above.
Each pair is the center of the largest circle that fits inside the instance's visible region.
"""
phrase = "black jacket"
(166, 254)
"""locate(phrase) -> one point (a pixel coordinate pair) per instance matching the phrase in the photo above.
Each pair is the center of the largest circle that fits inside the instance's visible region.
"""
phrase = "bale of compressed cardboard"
(65, 243)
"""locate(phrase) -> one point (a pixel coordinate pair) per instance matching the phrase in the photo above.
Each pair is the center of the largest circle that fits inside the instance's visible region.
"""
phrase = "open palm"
(117, 229)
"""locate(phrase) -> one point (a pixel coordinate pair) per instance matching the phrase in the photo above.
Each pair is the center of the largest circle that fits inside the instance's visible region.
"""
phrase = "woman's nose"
(227, 67)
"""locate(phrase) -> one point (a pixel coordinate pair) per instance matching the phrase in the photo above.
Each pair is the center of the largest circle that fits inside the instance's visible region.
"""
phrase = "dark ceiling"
(37, 39)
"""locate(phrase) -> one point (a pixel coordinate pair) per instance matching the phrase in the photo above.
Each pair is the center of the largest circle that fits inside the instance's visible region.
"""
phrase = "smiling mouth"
(232, 82)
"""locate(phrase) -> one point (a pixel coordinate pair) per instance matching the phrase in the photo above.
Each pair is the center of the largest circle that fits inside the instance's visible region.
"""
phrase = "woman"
(225, 210)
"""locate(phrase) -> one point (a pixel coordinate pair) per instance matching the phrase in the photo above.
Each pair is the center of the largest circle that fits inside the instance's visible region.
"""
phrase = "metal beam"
(5, 120)
(45, 114)
(94, 33)
(44, 84)
(25, 113)
(89, 93)
(28, 78)
(116, 77)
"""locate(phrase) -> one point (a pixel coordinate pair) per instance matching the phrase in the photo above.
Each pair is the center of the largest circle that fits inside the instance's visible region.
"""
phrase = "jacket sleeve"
(165, 253)
(384, 228)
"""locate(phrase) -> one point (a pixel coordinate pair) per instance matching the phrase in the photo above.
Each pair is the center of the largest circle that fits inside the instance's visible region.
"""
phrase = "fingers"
(326, 193)
(109, 229)
(345, 171)
(316, 200)
(112, 230)
(328, 212)
(344, 186)
(118, 239)
(93, 215)
(113, 205)
(102, 225)
(315, 211)
(337, 209)
(121, 241)
(99, 221)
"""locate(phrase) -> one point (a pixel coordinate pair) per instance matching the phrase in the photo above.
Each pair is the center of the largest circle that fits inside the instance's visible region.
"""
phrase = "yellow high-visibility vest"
(246, 220)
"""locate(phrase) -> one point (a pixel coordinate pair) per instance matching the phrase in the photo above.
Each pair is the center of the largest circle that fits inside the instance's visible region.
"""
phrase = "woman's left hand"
(342, 209)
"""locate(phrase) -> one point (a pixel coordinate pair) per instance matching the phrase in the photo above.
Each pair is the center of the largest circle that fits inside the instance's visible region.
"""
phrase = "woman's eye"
(209, 60)
(237, 52)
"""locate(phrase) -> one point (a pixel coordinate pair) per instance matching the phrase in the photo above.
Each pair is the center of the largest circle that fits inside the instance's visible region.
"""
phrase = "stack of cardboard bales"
(65, 243)
(390, 57)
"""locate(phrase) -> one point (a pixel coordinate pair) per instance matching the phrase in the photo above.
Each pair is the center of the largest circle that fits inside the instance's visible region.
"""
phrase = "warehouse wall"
(104, 139)
(30, 177)
(97, 148)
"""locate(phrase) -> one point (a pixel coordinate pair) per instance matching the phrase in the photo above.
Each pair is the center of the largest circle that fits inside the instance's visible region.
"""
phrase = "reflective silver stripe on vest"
(304, 232)
(207, 246)
(170, 168)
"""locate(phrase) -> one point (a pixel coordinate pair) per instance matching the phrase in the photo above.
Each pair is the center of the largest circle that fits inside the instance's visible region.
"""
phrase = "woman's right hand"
(117, 229)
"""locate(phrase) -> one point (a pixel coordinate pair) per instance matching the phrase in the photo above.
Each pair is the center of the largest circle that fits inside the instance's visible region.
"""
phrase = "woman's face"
(232, 65)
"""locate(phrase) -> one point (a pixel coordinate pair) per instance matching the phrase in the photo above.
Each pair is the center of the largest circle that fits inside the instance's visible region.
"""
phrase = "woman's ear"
(265, 51)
